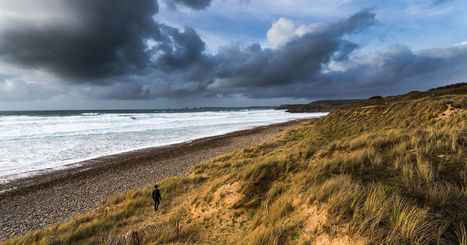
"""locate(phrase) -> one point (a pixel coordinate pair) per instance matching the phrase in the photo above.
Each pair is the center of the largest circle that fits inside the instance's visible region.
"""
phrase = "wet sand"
(55, 196)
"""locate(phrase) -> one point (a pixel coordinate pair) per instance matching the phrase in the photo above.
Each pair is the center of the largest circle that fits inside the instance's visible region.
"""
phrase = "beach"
(42, 200)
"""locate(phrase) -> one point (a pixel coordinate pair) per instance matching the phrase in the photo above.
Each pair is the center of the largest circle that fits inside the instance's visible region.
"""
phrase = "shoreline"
(49, 175)
(55, 196)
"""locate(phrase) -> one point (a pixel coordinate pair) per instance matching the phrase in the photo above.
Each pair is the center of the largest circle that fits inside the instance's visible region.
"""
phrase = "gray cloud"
(177, 49)
(15, 89)
(181, 69)
(437, 2)
(101, 38)
(296, 61)
(396, 70)
(194, 4)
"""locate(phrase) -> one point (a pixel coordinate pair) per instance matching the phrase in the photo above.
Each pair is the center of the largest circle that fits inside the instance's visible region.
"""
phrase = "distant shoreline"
(35, 202)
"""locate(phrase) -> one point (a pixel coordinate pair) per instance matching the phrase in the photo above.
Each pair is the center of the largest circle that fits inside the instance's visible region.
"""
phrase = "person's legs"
(156, 205)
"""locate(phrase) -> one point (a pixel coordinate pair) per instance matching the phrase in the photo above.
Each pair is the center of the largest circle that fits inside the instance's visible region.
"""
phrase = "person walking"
(156, 195)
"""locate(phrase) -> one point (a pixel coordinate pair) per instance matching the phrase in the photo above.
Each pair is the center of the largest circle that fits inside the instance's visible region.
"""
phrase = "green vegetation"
(382, 171)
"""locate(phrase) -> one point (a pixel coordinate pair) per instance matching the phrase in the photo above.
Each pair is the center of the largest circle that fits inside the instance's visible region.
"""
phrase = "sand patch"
(448, 112)
(344, 240)
(314, 225)
(217, 218)
(313, 221)
(224, 197)
(228, 194)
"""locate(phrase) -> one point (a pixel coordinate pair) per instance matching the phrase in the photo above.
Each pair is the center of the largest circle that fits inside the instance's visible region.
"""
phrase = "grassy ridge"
(384, 171)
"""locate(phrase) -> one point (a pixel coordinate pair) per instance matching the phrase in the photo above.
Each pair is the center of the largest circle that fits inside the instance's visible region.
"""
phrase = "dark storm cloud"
(179, 67)
(194, 4)
(178, 49)
(102, 38)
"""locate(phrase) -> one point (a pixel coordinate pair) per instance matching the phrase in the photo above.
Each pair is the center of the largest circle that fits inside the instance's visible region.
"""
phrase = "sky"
(122, 54)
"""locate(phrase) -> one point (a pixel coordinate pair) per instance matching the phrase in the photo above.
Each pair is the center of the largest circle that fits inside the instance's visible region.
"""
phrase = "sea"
(34, 141)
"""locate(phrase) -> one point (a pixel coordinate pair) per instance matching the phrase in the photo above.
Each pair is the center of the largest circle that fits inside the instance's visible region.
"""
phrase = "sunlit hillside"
(383, 171)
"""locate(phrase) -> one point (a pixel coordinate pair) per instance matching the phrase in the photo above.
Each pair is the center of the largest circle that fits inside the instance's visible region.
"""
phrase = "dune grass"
(384, 171)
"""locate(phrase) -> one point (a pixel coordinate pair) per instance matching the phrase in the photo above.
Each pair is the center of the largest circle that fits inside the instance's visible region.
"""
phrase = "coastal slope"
(317, 106)
(382, 171)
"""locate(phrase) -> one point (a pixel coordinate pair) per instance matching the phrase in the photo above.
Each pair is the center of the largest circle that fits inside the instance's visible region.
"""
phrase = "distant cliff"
(318, 106)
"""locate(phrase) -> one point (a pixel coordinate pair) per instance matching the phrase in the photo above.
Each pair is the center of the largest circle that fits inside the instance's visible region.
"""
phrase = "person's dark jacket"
(156, 195)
